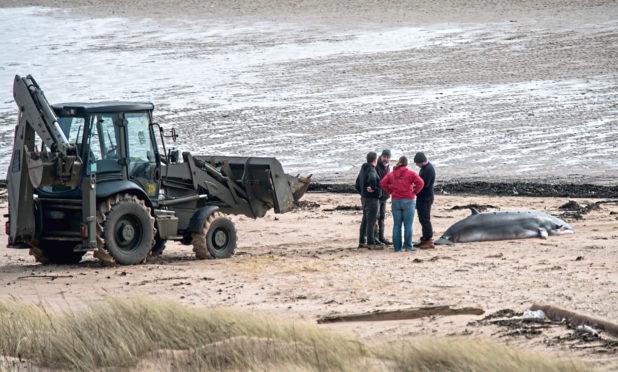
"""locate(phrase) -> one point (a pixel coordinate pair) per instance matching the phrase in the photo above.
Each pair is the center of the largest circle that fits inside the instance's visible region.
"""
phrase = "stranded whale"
(504, 225)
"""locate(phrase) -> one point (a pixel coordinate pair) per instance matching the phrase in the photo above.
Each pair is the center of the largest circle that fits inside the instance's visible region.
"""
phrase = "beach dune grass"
(158, 334)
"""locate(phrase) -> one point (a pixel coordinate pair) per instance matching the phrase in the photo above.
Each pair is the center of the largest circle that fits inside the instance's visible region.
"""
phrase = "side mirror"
(174, 135)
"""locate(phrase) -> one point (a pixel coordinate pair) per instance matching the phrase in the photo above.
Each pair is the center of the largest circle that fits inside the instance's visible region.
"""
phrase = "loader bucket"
(263, 180)
(41, 171)
(299, 185)
(50, 169)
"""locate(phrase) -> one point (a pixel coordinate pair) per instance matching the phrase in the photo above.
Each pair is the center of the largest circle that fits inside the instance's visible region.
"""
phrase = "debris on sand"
(515, 324)
(305, 205)
(344, 208)
(338, 188)
(478, 207)
(545, 189)
(531, 314)
(381, 315)
(571, 205)
(530, 324)
(556, 313)
(574, 211)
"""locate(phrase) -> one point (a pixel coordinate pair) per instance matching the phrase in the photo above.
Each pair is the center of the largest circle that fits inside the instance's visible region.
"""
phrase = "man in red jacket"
(403, 185)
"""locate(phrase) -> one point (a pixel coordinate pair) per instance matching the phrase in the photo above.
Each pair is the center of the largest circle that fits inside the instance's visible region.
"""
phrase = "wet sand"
(489, 90)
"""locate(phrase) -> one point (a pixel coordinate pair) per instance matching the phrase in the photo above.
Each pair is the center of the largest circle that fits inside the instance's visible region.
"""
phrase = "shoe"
(363, 245)
(386, 241)
(426, 244)
(418, 244)
(375, 247)
(409, 249)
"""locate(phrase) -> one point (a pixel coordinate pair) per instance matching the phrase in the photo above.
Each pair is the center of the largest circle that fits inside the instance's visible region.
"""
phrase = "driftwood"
(416, 313)
(52, 277)
(557, 314)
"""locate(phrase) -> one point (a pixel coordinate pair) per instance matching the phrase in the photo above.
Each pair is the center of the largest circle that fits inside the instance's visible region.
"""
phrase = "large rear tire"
(217, 239)
(125, 230)
(59, 253)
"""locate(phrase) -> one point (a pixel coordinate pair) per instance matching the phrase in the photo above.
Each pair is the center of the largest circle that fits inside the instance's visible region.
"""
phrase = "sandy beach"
(306, 265)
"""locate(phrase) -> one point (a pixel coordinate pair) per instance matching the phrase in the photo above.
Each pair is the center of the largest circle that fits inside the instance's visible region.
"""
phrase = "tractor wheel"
(59, 253)
(158, 247)
(125, 230)
(217, 239)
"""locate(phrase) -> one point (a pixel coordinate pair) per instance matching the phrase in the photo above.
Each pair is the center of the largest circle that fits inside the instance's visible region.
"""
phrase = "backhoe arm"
(36, 112)
(56, 165)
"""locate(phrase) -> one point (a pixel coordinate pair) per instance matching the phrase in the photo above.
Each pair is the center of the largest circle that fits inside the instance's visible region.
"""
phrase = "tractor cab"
(115, 141)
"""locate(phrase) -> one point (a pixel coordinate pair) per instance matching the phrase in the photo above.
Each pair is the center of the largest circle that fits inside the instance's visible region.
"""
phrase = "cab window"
(138, 137)
(73, 128)
(104, 137)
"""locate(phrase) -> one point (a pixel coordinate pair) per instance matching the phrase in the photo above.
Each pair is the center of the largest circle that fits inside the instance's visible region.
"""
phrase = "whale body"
(504, 225)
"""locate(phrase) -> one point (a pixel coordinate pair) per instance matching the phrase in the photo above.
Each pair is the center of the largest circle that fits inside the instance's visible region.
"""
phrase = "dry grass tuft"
(118, 333)
(148, 334)
(458, 354)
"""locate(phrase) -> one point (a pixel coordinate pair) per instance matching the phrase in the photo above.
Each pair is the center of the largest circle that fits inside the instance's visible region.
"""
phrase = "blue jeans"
(403, 212)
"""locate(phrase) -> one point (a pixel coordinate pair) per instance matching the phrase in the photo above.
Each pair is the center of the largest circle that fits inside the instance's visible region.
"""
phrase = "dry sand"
(306, 264)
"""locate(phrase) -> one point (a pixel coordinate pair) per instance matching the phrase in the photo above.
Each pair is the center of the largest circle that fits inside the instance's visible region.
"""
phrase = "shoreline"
(529, 188)
(497, 188)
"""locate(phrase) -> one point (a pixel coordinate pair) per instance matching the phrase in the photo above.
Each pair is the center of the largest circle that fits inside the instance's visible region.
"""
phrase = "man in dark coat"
(383, 167)
(424, 200)
(368, 185)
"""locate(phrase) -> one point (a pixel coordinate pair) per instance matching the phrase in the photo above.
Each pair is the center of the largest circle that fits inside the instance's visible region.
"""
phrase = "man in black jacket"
(368, 185)
(424, 200)
(383, 167)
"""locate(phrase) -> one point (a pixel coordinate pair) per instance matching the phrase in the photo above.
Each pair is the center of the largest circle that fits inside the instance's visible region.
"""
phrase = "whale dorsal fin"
(474, 211)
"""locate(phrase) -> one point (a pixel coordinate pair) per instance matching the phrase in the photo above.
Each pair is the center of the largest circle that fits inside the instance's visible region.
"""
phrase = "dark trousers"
(423, 208)
(371, 207)
(381, 216)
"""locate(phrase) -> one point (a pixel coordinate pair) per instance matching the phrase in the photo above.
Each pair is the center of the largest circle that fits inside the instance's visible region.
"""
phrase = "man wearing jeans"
(425, 200)
(368, 185)
(403, 184)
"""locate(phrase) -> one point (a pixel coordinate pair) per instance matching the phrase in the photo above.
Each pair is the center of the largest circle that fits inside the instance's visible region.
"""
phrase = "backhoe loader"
(98, 177)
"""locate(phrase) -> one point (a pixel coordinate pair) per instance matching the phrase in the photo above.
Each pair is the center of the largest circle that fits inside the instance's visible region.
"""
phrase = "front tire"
(126, 231)
(217, 239)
